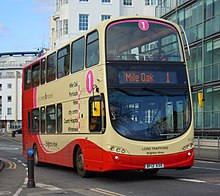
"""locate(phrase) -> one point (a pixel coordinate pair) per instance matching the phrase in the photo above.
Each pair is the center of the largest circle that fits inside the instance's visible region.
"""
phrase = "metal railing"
(207, 148)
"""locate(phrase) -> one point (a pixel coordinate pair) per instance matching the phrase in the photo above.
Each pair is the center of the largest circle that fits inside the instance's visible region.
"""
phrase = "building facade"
(11, 64)
(201, 21)
(74, 17)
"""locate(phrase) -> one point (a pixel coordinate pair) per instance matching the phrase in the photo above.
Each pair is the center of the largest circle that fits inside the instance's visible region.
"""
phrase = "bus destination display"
(147, 77)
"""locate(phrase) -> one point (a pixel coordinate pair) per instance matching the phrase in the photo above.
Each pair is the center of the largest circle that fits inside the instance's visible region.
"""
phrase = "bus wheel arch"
(79, 162)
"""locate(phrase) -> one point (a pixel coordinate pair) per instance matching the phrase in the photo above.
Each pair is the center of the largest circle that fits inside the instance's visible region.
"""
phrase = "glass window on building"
(65, 2)
(105, 17)
(150, 2)
(0, 87)
(83, 22)
(195, 65)
(83, 1)
(9, 85)
(9, 98)
(212, 60)
(106, 1)
(216, 107)
(127, 2)
(9, 111)
(60, 28)
(65, 27)
(208, 9)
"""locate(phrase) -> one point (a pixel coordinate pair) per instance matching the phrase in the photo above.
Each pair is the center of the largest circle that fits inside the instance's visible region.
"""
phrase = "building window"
(65, 2)
(105, 17)
(9, 85)
(83, 22)
(127, 2)
(9, 99)
(83, 1)
(106, 1)
(57, 29)
(0, 87)
(150, 2)
(65, 26)
(60, 28)
(9, 111)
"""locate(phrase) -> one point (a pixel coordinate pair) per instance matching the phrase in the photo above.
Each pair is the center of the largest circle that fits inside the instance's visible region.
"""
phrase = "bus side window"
(35, 74)
(78, 54)
(35, 121)
(43, 120)
(63, 61)
(51, 67)
(43, 71)
(59, 118)
(97, 121)
(92, 49)
(29, 122)
(27, 78)
(50, 119)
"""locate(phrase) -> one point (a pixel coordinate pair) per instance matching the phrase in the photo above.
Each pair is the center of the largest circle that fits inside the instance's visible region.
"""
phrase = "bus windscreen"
(143, 40)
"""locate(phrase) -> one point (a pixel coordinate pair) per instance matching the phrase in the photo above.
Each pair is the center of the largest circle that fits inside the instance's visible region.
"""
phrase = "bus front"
(149, 97)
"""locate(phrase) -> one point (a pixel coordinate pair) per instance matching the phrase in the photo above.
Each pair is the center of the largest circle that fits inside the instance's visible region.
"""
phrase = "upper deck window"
(63, 61)
(27, 78)
(92, 55)
(143, 40)
(51, 67)
(36, 74)
(78, 55)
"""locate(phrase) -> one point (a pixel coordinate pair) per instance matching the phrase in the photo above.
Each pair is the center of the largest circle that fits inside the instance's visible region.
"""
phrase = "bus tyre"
(36, 157)
(80, 164)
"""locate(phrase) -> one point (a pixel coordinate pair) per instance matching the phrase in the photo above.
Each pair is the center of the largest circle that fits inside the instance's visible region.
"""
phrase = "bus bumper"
(114, 161)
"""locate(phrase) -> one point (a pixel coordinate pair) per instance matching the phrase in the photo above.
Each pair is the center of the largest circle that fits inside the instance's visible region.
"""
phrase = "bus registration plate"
(154, 166)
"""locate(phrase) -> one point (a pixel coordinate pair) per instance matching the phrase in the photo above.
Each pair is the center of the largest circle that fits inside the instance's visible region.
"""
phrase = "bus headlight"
(117, 149)
(188, 146)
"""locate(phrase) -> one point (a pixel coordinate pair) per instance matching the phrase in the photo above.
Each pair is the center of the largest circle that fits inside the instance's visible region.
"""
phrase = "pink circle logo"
(143, 25)
(89, 81)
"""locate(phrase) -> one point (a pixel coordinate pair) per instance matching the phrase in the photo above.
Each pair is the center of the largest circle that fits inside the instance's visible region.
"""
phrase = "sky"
(25, 24)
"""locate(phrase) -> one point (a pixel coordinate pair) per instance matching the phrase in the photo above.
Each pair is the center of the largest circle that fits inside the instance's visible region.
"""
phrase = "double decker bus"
(116, 98)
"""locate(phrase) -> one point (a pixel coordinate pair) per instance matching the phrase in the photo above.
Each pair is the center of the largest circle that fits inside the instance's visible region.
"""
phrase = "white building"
(73, 17)
(11, 64)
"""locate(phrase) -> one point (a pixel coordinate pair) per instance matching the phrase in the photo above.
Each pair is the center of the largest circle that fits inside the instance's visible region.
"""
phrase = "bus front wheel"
(36, 157)
(80, 164)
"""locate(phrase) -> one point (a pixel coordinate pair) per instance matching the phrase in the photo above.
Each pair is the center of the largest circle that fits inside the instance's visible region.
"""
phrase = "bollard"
(31, 183)
(13, 134)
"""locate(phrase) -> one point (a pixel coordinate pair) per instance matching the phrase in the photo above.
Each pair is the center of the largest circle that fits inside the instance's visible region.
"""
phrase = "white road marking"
(208, 168)
(48, 187)
(106, 192)
(18, 192)
(191, 180)
(204, 162)
(5, 192)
